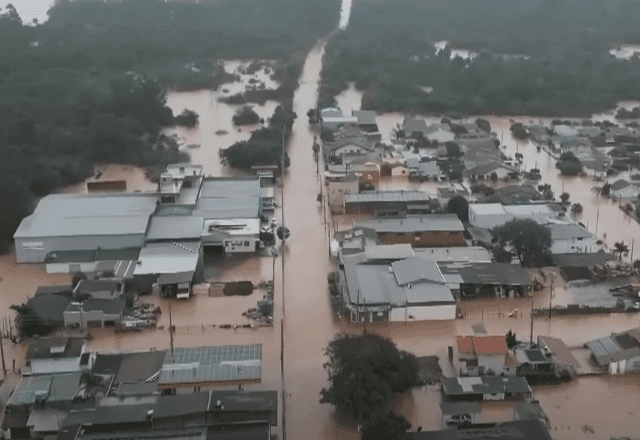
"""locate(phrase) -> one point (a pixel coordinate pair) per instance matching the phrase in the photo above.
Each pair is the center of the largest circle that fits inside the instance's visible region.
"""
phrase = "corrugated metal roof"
(476, 254)
(69, 215)
(212, 208)
(484, 273)
(171, 257)
(387, 196)
(413, 270)
(175, 228)
(426, 223)
(565, 232)
(487, 209)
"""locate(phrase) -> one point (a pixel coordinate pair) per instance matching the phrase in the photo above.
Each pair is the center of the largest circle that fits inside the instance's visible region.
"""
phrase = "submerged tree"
(388, 426)
(528, 240)
(365, 371)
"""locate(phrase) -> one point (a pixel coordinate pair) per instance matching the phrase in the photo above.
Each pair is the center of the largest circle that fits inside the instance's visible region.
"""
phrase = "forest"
(88, 85)
(534, 57)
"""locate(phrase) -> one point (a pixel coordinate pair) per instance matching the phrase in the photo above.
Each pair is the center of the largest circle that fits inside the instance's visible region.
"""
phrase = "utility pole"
(550, 297)
(597, 218)
(4, 367)
(171, 331)
(531, 337)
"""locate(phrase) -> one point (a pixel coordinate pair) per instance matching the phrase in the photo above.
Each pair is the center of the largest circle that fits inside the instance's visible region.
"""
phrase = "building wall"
(347, 149)
(371, 176)
(66, 267)
(75, 318)
(572, 246)
(423, 313)
(493, 363)
(44, 245)
(46, 366)
(336, 192)
(488, 221)
(240, 243)
(424, 239)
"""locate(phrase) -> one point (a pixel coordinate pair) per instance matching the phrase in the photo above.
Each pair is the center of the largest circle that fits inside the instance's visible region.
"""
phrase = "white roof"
(74, 215)
(487, 208)
(249, 226)
(180, 227)
(476, 254)
(171, 257)
(526, 210)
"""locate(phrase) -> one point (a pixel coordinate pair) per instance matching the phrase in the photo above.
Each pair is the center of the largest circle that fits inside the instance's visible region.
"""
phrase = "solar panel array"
(212, 364)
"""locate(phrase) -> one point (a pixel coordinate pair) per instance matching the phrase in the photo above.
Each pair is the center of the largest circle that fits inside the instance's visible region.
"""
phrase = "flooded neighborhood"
(457, 275)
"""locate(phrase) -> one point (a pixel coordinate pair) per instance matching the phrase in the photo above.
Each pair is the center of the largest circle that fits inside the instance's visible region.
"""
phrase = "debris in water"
(193, 146)
(221, 132)
(588, 428)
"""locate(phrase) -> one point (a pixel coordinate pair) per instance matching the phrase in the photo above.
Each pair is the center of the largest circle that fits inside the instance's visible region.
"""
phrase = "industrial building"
(436, 230)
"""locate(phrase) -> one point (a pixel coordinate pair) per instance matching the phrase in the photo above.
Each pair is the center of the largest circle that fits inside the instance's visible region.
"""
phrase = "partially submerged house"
(58, 355)
(485, 355)
(435, 230)
(619, 353)
(485, 388)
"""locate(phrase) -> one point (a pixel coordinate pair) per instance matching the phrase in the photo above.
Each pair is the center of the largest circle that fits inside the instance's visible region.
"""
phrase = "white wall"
(493, 363)
(64, 365)
(423, 313)
(488, 221)
(240, 243)
(65, 267)
(74, 243)
(572, 246)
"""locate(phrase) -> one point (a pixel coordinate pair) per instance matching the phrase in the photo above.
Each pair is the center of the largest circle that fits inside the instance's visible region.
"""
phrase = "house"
(565, 131)
(591, 132)
(488, 215)
(626, 195)
(479, 152)
(485, 171)
(94, 313)
(440, 135)
(474, 254)
(519, 429)
(482, 355)
(619, 353)
(48, 304)
(232, 235)
(72, 222)
(338, 185)
(514, 194)
(570, 238)
(424, 169)
(435, 230)
(392, 167)
(366, 120)
(415, 128)
(471, 279)
(381, 203)
(473, 132)
(166, 258)
(450, 191)
(485, 388)
(549, 357)
(367, 171)
(180, 184)
(58, 355)
(378, 254)
(408, 290)
(332, 118)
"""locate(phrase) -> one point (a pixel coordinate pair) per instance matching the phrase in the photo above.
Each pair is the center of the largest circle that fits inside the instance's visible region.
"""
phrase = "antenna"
(171, 331)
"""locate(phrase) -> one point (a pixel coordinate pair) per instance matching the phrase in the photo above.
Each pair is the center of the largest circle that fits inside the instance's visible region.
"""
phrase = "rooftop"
(246, 401)
(55, 348)
(559, 350)
(137, 367)
(178, 434)
(123, 413)
(476, 254)
(425, 223)
(71, 215)
(616, 347)
(88, 256)
(484, 273)
(229, 197)
(49, 307)
(416, 270)
(367, 117)
(527, 210)
(181, 404)
(50, 387)
(184, 169)
(98, 287)
(480, 345)
(387, 196)
(175, 228)
(458, 386)
(568, 231)
(487, 209)
(516, 430)
(107, 306)
(175, 278)
(581, 260)
(168, 257)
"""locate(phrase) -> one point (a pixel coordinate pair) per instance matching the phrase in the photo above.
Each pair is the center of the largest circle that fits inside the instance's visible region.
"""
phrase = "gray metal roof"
(70, 215)
(615, 347)
(225, 187)
(365, 116)
(559, 350)
(425, 223)
(476, 254)
(567, 232)
(455, 386)
(227, 208)
(212, 364)
(387, 196)
(416, 270)
(168, 257)
(60, 388)
(175, 278)
(181, 404)
(484, 273)
(177, 434)
(175, 228)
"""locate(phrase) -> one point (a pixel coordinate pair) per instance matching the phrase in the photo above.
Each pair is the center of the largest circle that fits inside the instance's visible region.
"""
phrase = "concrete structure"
(121, 262)
(94, 313)
(618, 353)
(234, 236)
(339, 185)
(180, 184)
(435, 230)
(58, 355)
(570, 238)
(394, 293)
(485, 388)
(80, 222)
(99, 289)
(484, 355)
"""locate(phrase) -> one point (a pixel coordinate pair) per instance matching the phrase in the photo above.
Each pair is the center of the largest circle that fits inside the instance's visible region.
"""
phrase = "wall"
(240, 243)
(336, 191)
(488, 221)
(572, 246)
(424, 239)
(65, 267)
(423, 313)
(87, 242)
(490, 362)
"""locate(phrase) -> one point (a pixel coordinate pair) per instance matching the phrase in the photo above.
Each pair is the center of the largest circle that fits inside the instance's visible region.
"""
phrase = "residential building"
(368, 172)
(485, 171)
(366, 120)
(94, 313)
(619, 353)
(381, 203)
(395, 293)
(435, 230)
(482, 355)
(491, 215)
(180, 184)
(392, 167)
(485, 388)
(415, 128)
(473, 279)
(333, 118)
(339, 185)
(520, 430)
(440, 135)
(58, 355)
(570, 238)
(424, 169)
(450, 191)
(479, 151)
(549, 357)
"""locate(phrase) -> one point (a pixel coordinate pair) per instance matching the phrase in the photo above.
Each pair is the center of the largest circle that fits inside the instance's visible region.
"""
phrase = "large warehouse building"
(83, 222)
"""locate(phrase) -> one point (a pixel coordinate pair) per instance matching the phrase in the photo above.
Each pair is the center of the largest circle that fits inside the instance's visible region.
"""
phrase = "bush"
(245, 116)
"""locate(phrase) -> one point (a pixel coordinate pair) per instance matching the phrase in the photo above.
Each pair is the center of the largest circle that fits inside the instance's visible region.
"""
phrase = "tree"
(388, 426)
(399, 132)
(511, 339)
(576, 208)
(494, 177)
(569, 164)
(564, 197)
(188, 118)
(245, 116)
(453, 149)
(459, 206)
(619, 248)
(519, 131)
(327, 135)
(519, 157)
(606, 189)
(484, 125)
(365, 371)
(527, 239)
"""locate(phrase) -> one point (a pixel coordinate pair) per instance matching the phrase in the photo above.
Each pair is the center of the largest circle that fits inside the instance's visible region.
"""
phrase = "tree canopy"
(528, 240)
(459, 206)
(365, 371)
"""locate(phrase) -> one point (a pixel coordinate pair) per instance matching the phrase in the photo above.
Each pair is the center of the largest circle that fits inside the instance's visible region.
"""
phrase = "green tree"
(327, 135)
(365, 371)
(245, 116)
(493, 177)
(528, 240)
(576, 208)
(459, 206)
(484, 125)
(619, 249)
(511, 339)
(564, 197)
(387, 426)
(453, 150)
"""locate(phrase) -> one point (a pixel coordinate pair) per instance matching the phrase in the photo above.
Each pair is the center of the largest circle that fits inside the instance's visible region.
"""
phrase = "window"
(227, 243)
(246, 243)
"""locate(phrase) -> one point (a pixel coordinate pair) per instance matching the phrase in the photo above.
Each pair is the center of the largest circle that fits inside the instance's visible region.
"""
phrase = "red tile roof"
(465, 344)
(489, 345)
